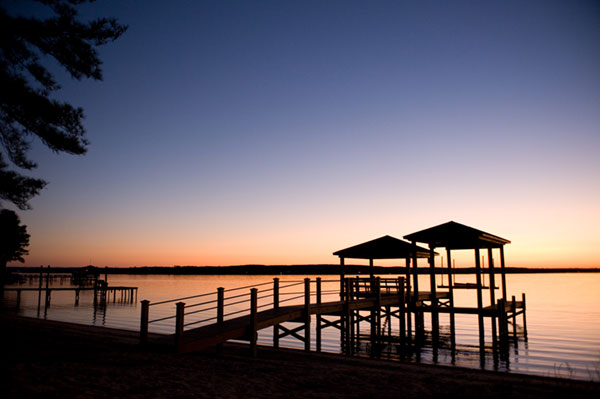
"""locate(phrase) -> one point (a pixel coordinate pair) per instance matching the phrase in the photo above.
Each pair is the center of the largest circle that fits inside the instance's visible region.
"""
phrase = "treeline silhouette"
(323, 269)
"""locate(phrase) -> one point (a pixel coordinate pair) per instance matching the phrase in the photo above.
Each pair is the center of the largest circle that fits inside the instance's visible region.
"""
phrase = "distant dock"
(102, 292)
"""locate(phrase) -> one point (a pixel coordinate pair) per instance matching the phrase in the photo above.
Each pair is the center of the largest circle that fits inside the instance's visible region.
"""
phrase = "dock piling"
(144, 322)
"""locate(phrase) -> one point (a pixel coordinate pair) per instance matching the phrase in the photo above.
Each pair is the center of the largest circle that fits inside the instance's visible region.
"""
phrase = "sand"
(42, 358)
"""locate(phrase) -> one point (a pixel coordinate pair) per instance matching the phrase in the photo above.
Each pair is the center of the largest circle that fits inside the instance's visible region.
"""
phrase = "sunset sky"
(277, 132)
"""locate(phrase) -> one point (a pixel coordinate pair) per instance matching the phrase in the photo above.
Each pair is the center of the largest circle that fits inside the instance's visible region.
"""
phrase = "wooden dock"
(101, 290)
(376, 296)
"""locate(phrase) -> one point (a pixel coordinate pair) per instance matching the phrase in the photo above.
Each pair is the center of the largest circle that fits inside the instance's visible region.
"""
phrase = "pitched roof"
(454, 235)
(385, 247)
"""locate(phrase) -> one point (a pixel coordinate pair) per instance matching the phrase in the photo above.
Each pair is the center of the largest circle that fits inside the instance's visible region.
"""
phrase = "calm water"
(563, 316)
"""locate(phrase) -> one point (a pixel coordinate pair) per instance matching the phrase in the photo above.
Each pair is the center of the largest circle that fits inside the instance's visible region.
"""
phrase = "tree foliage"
(27, 110)
(13, 238)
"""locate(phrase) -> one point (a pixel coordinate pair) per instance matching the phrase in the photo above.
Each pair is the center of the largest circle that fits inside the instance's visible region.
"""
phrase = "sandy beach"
(47, 359)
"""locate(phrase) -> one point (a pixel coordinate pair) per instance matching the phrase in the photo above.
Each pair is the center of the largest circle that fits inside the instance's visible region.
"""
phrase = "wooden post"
(492, 281)
(352, 289)
(408, 300)
(276, 306)
(179, 316)
(378, 305)
(307, 314)
(345, 317)
(318, 317)
(451, 293)
(253, 320)
(513, 309)
(401, 310)
(220, 312)
(435, 320)
(371, 274)
(502, 328)
(77, 297)
(524, 320)
(502, 269)
(144, 322)
(18, 298)
(415, 270)
(479, 299)
(40, 288)
(47, 290)
(342, 279)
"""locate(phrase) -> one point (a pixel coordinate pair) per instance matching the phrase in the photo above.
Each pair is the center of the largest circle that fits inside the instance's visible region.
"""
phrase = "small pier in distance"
(350, 303)
(102, 292)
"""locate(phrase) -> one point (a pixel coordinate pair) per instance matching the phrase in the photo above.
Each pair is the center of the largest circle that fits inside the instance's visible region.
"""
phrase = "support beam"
(253, 320)
(503, 274)
(276, 306)
(451, 292)
(479, 299)
(435, 318)
(492, 280)
(307, 314)
(179, 314)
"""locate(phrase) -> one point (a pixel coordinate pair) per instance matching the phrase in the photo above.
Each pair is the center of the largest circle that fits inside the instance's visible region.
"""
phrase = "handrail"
(215, 309)
(180, 299)
(248, 286)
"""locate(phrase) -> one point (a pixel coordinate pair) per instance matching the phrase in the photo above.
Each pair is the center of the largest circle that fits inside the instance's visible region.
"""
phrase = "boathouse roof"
(385, 247)
(454, 235)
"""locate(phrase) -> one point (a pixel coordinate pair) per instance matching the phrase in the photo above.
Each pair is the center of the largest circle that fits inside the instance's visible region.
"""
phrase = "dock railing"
(224, 304)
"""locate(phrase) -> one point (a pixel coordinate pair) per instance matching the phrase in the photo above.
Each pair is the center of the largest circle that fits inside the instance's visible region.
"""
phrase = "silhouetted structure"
(382, 299)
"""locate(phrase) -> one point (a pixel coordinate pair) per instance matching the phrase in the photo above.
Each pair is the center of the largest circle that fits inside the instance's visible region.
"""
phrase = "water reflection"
(563, 321)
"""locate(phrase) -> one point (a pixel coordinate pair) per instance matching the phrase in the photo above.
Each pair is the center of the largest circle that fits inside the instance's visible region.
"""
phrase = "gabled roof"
(385, 247)
(454, 235)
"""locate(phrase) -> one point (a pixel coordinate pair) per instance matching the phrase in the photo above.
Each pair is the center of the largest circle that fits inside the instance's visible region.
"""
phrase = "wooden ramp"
(241, 327)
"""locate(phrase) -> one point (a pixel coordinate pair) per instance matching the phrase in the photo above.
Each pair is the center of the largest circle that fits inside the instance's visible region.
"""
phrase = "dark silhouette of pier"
(375, 300)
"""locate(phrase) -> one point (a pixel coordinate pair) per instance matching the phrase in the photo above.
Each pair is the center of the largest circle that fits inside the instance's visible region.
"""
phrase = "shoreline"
(44, 358)
(285, 270)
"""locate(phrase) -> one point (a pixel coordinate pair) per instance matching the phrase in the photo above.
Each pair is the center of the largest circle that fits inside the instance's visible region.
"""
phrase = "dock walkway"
(380, 296)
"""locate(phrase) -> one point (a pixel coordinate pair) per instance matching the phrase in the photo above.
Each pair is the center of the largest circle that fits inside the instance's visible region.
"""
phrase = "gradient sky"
(278, 132)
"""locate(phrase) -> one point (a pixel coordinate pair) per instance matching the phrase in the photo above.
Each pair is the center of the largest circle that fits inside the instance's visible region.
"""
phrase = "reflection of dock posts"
(492, 294)
(179, 314)
(479, 300)
(275, 307)
(451, 292)
(253, 313)
(307, 314)
(524, 320)
(95, 291)
(144, 322)
(77, 297)
(220, 312)
(401, 311)
(18, 299)
(318, 317)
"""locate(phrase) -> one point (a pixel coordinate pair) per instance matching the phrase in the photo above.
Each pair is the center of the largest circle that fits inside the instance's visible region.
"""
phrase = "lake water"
(563, 316)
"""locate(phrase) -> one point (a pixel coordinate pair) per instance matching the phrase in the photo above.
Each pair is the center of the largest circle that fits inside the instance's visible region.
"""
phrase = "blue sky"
(278, 132)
